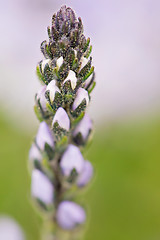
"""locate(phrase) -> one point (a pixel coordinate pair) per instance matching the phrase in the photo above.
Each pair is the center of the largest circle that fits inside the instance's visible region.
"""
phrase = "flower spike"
(68, 78)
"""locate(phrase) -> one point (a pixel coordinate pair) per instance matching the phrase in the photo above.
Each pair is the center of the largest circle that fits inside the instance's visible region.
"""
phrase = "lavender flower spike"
(42, 188)
(72, 159)
(68, 77)
(70, 214)
(81, 94)
(44, 136)
(62, 118)
(86, 175)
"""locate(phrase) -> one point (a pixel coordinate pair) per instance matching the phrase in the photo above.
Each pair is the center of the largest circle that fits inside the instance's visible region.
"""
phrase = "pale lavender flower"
(86, 175)
(84, 127)
(62, 118)
(72, 77)
(44, 135)
(34, 153)
(42, 98)
(71, 159)
(41, 187)
(69, 215)
(10, 229)
(52, 88)
(81, 94)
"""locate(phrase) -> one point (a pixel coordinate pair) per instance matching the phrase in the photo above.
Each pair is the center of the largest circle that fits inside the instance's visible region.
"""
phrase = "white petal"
(84, 61)
(52, 88)
(72, 159)
(72, 77)
(59, 62)
(62, 118)
(41, 187)
(81, 94)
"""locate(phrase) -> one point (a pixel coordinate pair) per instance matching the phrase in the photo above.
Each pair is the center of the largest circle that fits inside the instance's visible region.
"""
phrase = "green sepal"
(39, 74)
(67, 91)
(49, 151)
(74, 38)
(57, 101)
(73, 176)
(37, 164)
(63, 71)
(42, 205)
(75, 66)
(48, 73)
(91, 88)
(62, 143)
(88, 52)
(38, 113)
(80, 109)
(59, 132)
(70, 56)
(79, 140)
(78, 119)
(85, 70)
(43, 48)
(88, 74)
(86, 45)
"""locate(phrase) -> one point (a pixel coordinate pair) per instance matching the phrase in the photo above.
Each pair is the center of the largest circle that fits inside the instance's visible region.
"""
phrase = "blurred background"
(124, 200)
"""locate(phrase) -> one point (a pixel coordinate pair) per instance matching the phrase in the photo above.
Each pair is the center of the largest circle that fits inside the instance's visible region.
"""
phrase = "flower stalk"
(59, 169)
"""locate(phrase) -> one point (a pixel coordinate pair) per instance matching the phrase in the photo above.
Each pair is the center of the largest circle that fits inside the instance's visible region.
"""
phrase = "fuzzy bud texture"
(68, 80)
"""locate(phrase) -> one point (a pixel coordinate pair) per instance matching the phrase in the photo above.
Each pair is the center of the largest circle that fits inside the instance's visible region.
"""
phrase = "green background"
(123, 200)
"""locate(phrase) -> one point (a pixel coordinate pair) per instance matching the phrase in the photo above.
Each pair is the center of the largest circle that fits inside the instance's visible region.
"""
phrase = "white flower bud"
(84, 61)
(34, 153)
(72, 77)
(81, 94)
(41, 187)
(71, 159)
(86, 174)
(44, 62)
(62, 118)
(70, 214)
(59, 62)
(52, 88)
(44, 136)
(42, 98)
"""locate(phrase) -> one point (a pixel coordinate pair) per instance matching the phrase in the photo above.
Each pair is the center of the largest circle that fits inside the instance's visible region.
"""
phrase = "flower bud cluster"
(67, 76)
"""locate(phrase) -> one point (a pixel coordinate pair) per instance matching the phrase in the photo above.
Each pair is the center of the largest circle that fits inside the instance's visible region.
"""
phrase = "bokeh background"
(124, 200)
